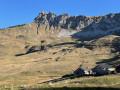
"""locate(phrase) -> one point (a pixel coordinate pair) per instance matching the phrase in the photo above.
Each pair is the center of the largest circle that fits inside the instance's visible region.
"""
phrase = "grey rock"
(81, 22)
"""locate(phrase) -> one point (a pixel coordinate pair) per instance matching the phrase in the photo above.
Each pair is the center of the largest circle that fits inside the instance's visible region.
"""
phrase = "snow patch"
(65, 33)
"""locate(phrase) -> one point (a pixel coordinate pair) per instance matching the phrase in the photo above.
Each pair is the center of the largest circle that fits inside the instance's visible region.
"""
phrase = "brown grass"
(30, 68)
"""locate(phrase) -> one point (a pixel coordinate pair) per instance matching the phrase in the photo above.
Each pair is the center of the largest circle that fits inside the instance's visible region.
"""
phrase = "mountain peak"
(43, 12)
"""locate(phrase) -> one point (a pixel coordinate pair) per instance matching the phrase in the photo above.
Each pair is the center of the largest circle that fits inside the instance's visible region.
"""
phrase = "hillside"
(54, 45)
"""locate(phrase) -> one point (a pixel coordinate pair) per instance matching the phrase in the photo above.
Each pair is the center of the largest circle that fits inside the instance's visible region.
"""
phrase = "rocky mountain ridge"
(50, 24)
(66, 21)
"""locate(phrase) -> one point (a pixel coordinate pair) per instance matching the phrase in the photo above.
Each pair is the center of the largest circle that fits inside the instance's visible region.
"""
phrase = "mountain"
(66, 21)
(81, 25)
(65, 25)
(54, 45)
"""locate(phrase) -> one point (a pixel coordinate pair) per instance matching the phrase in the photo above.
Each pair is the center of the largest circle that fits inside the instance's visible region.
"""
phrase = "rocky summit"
(81, 25)
(66, 21)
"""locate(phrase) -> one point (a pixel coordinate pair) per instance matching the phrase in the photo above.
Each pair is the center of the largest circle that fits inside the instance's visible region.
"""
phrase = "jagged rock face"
(105, 22)
(66, 21)
(51, 19)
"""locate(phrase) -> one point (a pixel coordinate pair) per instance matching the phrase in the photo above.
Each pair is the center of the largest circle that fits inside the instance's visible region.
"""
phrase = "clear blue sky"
(15, 12)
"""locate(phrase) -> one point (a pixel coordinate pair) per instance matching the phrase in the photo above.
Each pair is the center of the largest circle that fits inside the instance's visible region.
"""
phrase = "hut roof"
(104, 65)
(85, 69)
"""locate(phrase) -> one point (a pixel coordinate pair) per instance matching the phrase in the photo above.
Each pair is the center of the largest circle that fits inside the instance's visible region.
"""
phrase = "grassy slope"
(109, 82)
(45, 65)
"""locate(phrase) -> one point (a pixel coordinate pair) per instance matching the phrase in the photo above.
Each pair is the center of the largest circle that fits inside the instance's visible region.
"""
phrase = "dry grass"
(86, 83)
(42, 65)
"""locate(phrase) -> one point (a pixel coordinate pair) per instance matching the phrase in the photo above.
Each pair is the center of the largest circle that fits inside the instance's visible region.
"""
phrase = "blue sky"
(15, 12)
